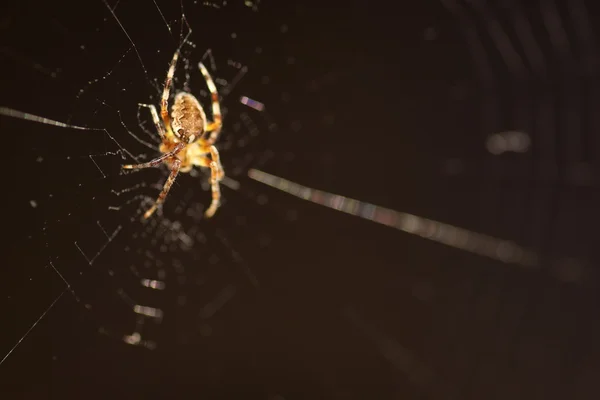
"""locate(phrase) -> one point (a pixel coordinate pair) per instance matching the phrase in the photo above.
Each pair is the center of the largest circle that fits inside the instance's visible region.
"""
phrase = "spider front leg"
(159, 127)
(164, 101)
(157, 160)
(176, 164)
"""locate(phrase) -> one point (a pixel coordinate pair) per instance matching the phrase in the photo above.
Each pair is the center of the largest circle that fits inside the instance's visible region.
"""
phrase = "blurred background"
(466, 131)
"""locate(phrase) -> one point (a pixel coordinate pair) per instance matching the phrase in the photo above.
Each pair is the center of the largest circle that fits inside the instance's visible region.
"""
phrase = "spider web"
(81, 255)
(470, 129)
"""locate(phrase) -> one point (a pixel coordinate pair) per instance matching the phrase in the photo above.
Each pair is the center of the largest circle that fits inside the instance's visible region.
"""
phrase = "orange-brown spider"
(184, 143)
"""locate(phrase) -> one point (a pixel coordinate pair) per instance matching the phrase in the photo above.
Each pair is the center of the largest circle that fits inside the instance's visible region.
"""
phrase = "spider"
(184, 138)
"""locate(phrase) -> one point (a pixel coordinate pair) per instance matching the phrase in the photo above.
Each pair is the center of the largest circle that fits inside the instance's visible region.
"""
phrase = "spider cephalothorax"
(183, 133)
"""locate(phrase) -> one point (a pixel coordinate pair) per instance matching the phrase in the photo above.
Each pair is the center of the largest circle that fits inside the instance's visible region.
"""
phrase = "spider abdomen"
(187, 117)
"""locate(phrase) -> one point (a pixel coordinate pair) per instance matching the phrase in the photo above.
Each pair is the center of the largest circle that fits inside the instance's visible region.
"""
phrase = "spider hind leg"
(216, 175)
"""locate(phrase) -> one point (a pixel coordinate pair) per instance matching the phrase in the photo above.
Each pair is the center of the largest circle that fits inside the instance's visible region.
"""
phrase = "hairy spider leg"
(214, 154)
(175, 165)
(178, 147)
(216, 191)
(214, 127)
(159, 126)
(216, 174)
(164, 102)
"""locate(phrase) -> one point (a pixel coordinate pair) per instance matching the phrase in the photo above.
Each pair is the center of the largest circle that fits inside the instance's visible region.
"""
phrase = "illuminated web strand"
(162, 16)
(32, 326)
(230, 183)
(222, 298)
(257, 105)
(450, 235)
(398, 355)
(236, 79)
(9, 112)
(211, 58)
(23, 60)
(128, 37)
(152, 284)
(151, 312)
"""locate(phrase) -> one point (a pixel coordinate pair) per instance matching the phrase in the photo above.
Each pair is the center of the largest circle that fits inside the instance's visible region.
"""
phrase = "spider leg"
(178, 147)
(216, 174)
(214, 154)
(176, 164)
(164, 102)
(159, 126)
(214, 127)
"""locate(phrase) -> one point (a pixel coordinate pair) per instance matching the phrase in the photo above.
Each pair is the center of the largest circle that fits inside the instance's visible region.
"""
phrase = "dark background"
(392, 108)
